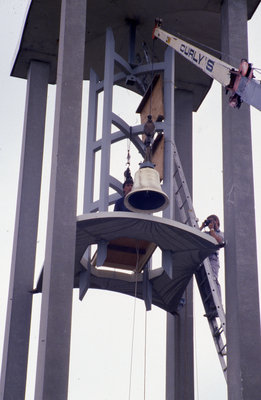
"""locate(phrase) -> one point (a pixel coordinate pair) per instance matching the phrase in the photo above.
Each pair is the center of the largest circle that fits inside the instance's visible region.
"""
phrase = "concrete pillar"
(184, 369)
(242, 303)
(180, 355)
(55, 324)
(18, 318)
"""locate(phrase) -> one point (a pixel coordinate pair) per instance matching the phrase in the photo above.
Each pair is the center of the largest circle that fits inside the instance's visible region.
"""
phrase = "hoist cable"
(219, 52)
(128, 153)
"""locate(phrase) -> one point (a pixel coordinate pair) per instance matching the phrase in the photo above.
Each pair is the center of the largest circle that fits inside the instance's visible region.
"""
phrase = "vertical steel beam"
(132, 42)
(106, 121)
(242, 304)
(90, 140)
(169, 89)
(18, 318)
(55, 323)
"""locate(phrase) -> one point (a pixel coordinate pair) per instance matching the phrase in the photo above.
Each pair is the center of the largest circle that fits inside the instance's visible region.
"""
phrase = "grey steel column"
(106, 121)
(242, 304)
(55, 324)
(90, 141)
(18, 318)
(169, 89)
(180, 356)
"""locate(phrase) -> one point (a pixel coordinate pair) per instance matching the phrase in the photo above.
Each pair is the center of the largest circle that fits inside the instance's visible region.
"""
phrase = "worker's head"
(214, 221)
(127, 185)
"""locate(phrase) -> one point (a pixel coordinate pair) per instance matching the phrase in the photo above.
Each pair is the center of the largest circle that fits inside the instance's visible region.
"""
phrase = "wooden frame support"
(101, 252)
(167, 262)
(147, 288)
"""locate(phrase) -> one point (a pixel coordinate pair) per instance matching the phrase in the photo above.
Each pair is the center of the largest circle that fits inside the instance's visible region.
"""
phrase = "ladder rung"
(223, 354)
(218, 331)
(203, 281)
(207, 297)
(177, 191)
(184, 202)
(175, 173)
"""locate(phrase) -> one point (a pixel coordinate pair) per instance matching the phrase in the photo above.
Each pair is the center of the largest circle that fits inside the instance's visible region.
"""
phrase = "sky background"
(103, 323)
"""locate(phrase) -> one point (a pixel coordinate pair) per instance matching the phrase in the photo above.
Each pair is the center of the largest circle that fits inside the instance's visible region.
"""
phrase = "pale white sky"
(103, 322)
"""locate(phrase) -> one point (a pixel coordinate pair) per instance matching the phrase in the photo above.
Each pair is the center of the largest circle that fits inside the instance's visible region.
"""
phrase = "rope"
(133, 331)
(145, 354)
(149, 48)
(133, 319)
(195, 352)
(132, 343)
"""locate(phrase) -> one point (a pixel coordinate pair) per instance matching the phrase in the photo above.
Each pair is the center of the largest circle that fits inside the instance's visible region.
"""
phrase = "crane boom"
(239, 82)
(212, 66)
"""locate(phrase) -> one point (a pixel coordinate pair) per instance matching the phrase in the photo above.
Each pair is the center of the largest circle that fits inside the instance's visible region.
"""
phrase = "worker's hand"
(202, 225)
(211, 225)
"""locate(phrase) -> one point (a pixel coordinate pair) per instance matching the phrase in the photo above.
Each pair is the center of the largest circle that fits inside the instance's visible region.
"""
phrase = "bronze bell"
(147, 195)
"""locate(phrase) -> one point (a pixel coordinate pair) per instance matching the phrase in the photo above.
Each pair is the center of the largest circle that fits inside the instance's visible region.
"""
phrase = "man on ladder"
(212, 222)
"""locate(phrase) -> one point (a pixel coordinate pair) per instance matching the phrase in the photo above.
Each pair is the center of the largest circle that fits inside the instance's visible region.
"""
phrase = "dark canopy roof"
(195, 19)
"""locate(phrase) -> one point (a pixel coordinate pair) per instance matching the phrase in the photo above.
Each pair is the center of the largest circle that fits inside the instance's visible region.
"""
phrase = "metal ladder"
(204, 275)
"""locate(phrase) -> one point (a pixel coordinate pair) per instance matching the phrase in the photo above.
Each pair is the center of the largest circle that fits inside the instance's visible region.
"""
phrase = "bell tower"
(108, 45)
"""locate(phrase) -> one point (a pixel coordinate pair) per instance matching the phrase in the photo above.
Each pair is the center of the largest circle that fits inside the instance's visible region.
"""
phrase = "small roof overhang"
(185, 247)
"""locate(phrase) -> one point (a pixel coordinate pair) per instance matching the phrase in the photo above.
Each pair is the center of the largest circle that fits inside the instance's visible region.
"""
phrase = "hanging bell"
(147, 195)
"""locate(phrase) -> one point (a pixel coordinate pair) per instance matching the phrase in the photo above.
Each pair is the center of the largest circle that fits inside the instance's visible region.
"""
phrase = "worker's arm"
(216, 236)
